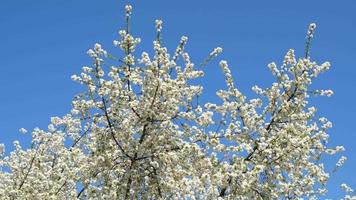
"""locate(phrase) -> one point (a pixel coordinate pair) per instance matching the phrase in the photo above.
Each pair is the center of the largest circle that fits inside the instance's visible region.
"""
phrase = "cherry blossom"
(139, 131)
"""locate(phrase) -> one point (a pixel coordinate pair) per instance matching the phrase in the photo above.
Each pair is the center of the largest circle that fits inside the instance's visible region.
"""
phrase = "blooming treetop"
(138, 132)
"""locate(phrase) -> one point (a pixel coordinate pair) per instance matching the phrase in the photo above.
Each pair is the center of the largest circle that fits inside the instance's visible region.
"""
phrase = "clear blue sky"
(43, 42)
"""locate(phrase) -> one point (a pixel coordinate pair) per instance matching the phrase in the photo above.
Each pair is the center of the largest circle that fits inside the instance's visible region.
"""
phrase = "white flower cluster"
(349, 192)
(311, 30)
(341, 161)
(127, 43)
(22, 130)
(180, 48)
(347, 189)
(128, 10)
(139, 131)
(216, 52)
(335, 150)
(159, 25)
(324, 92)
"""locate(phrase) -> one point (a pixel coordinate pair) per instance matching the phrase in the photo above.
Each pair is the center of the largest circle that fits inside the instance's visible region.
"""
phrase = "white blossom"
(216, 52)
(22, 130)
(128, 9)
(347, 189)
(341, 161)
(311, 30)
(139, 130)
(158, 25)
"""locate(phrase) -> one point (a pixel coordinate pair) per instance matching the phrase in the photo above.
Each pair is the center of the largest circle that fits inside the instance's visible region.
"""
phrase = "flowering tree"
(139, 132)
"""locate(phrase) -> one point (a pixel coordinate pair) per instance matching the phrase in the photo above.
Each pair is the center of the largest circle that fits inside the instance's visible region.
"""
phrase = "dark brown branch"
(112, 130)
(223, 190)
(129, 181)
(59, 189)
(154, 96)
(28, 171)
(78, 139)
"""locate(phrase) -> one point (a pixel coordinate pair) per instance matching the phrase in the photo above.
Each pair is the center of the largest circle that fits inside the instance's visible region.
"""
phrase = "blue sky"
(44, 42)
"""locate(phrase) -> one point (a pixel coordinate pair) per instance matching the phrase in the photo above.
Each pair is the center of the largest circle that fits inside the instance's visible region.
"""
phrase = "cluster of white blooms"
(311, 30)
(341, 161)
(159, 25)
(335, 150)
(180, 48)
(310, 35)
(216, 52)
(140, 132)
(347, 189)
(128, 9)
(324, 92)
(349, 192)
(273, 67)
(127, 43)
(22, 130)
